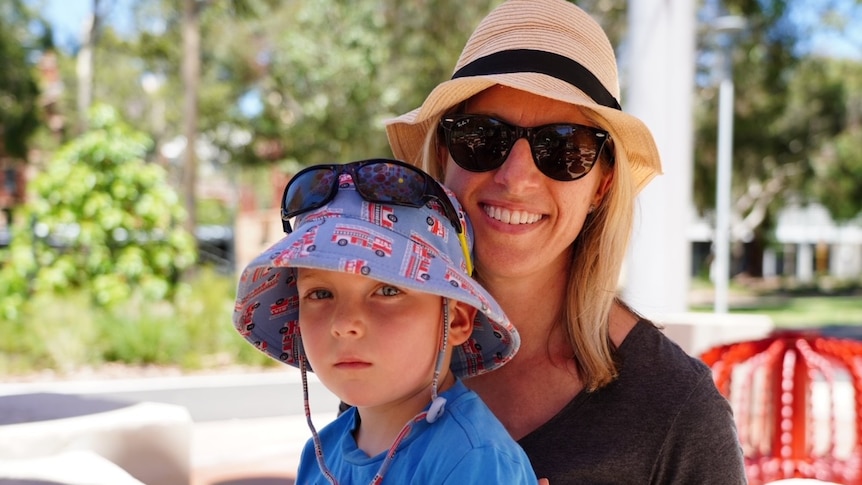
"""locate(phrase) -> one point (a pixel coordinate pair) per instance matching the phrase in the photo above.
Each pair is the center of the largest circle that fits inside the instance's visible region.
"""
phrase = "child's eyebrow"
(303, 274)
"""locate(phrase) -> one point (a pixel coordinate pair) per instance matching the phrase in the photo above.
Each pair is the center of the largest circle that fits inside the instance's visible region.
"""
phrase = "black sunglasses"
(561, 151)
(382, 181)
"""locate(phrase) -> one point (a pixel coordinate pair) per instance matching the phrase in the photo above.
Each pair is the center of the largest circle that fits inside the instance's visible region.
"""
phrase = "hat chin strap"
(318, 448)
(439, 403)
(435, 410)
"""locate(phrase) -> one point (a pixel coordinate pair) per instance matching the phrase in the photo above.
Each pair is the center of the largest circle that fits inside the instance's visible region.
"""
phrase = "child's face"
(370, 343)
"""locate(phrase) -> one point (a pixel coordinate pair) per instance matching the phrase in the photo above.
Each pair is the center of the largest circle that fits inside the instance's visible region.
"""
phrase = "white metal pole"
(721, 240)
(725, 27)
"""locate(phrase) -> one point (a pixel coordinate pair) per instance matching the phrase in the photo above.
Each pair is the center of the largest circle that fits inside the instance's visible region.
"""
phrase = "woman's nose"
(519, 171)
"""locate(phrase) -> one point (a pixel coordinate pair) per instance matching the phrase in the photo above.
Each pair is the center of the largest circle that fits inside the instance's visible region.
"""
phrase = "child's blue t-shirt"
(467, 444)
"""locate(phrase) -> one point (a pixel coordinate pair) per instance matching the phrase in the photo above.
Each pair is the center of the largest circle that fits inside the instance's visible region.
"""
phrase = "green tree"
(762, 57)
(101, 219)
(780, 123)
(321, 95)
(835, 178)
(19, 91)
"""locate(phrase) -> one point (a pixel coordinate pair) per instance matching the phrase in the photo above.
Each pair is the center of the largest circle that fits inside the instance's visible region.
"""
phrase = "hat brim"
(633, 142)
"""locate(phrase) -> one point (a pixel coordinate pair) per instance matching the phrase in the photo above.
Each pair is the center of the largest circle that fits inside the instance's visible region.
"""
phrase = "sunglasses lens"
(309, 190)
(388, 182)
(565, 152)
(478, 143)
(562, 152)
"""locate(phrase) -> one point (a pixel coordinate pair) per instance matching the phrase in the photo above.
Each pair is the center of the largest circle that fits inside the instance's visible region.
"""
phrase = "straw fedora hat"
(550, 48)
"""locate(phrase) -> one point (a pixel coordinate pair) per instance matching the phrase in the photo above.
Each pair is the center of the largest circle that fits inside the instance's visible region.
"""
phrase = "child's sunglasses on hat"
(382, 181)
(561, 151)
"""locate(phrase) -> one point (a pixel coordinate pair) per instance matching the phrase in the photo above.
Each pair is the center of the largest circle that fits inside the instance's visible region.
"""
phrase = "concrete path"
(256, 451)
(248, 429)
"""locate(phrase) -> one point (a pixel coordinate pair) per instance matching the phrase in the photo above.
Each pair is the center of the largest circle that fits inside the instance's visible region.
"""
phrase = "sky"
(67, 17)
(847, 45)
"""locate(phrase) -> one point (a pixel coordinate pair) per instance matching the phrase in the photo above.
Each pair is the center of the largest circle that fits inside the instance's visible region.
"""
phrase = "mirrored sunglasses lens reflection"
(479, 143)
(386, 182)
(564, 152)
(310, 189)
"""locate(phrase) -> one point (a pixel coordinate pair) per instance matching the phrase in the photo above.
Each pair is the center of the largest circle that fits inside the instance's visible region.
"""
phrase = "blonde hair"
(597, 258)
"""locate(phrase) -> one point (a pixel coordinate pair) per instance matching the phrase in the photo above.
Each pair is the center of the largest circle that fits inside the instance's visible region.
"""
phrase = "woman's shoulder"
(647, 343)
(658, 378)
(648, 359)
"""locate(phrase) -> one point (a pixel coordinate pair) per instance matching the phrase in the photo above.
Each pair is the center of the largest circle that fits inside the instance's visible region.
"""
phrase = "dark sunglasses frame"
(548, 164)
(370, 189)
(373, 190)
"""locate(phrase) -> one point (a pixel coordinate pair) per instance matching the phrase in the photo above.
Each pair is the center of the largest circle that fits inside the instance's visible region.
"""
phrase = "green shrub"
(65, 332)
(98, 218)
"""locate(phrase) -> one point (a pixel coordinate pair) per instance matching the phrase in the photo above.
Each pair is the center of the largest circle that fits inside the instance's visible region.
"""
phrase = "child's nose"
(347, 322)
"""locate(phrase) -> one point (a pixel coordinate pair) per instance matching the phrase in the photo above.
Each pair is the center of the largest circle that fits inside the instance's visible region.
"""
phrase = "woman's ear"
(461, 316)
(602, 188)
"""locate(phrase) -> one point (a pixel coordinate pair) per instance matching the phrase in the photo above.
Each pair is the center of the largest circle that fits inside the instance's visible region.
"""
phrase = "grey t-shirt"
(661, 422)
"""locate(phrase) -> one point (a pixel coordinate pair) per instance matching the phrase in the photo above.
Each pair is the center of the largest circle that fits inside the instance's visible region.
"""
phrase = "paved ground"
(248, 429)
(258, 451)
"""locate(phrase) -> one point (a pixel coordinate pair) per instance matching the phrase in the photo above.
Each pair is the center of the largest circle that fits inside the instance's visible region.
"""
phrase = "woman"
(530, 136)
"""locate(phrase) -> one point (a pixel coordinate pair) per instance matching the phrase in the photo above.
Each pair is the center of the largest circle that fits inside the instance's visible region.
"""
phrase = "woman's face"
(523, 220)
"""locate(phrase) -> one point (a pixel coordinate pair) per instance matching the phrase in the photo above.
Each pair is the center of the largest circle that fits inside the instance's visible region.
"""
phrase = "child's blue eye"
(389, 291)
(319, 294)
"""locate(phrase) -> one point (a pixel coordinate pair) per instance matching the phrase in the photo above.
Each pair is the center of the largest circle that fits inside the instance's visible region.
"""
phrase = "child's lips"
(352, 364)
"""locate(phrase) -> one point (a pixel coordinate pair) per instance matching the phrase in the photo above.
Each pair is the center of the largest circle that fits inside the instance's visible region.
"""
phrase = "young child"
(371, 290)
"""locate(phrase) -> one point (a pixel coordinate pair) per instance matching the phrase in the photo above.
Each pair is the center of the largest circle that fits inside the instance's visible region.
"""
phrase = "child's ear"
(461, 316)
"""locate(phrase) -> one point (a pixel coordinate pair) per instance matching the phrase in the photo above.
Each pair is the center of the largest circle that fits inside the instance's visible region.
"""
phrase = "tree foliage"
(309, 82)
(314, 81)
(19, 90)
(790, 113)
(835, 175)
(99, 218)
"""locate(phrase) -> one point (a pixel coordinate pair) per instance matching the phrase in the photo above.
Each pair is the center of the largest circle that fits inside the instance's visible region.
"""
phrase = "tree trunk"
(191, 80)
(754, 254)
(84, 65)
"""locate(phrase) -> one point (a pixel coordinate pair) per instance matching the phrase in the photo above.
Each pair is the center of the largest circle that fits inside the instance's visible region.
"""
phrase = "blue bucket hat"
(389, 243)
